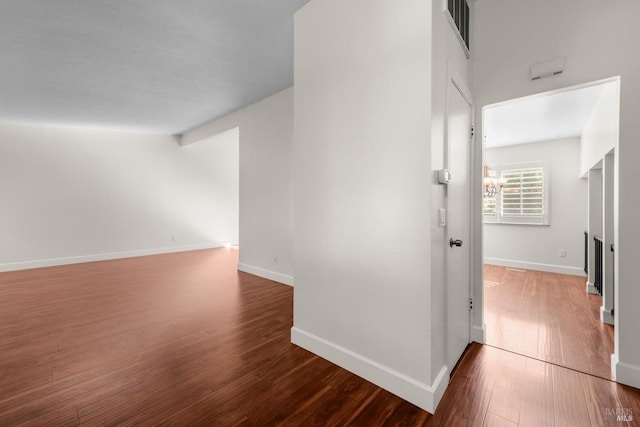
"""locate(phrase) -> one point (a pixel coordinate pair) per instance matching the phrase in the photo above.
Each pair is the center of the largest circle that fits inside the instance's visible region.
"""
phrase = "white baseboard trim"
(420, 394)
(625, 373)
(439, 386)
(267, 274)
(591, 288)
(606, 316)
(478, 333)
(551, 268)
(53, 262)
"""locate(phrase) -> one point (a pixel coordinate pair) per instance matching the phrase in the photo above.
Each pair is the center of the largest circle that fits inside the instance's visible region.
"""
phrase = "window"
(489, 206)
(523, 200)
(522, 196)
(459, 11)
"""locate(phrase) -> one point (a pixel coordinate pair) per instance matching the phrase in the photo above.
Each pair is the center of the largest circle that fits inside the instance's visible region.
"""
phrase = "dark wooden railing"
(613, 285)
(597, 279)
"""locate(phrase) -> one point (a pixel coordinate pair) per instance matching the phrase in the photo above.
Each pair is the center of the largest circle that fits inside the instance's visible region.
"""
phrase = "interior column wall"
(362, 190)
(608, 175)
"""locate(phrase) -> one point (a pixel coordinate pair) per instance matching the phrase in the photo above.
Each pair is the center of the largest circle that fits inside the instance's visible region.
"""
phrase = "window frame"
(499, 218)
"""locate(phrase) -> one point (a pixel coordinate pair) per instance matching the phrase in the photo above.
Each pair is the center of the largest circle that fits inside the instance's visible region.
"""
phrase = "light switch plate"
(442, 217)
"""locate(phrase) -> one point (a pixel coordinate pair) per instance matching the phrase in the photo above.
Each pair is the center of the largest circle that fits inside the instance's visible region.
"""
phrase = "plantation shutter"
(523, 196)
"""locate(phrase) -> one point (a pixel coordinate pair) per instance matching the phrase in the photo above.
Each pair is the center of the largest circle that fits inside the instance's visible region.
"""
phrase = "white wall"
(537, 247)
(362, 190)
(71, 195)
(600, 135)
(266, 186)
(597, 41)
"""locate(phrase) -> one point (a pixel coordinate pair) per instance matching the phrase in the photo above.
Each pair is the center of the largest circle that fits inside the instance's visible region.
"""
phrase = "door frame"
(478, 330)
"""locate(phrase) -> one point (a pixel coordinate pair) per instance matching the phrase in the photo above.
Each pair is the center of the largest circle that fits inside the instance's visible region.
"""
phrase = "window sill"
(544, 224)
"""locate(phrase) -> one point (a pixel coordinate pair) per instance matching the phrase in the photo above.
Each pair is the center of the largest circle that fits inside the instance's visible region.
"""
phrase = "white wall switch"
(563, 253)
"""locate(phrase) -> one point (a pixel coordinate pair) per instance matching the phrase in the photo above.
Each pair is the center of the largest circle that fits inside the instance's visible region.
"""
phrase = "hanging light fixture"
(492, 186)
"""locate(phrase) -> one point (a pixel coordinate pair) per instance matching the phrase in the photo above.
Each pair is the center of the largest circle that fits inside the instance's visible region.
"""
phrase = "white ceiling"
(539, 118)
(160, 66)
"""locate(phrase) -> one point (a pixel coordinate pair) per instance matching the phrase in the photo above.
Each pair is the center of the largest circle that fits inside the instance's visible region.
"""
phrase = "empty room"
(241, 212)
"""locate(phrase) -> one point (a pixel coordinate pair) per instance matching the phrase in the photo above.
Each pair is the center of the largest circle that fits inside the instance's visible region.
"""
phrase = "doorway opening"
(548, 223)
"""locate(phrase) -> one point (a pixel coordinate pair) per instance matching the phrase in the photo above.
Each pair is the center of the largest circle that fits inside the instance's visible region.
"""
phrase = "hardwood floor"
(494, 387)
(547, 316)
(184, 339)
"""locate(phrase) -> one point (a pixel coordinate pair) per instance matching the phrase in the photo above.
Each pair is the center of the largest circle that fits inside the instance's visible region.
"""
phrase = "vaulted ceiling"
(161, 66)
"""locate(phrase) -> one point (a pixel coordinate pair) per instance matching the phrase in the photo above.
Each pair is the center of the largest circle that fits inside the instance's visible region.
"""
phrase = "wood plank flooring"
(547, 316)
(494, 387)
(184, 339)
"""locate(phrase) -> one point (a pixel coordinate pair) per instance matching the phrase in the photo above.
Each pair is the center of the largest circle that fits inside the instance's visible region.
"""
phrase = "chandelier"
(491, 186)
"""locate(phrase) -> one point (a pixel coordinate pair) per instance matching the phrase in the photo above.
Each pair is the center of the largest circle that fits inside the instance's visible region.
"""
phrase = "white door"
(458, 224)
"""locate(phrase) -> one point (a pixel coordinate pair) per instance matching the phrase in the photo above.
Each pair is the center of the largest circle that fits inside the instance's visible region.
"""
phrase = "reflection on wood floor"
(547, 316)
(494, 388)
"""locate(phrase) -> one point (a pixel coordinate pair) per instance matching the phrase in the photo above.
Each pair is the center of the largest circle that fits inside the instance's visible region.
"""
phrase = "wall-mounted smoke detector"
(546, 69)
